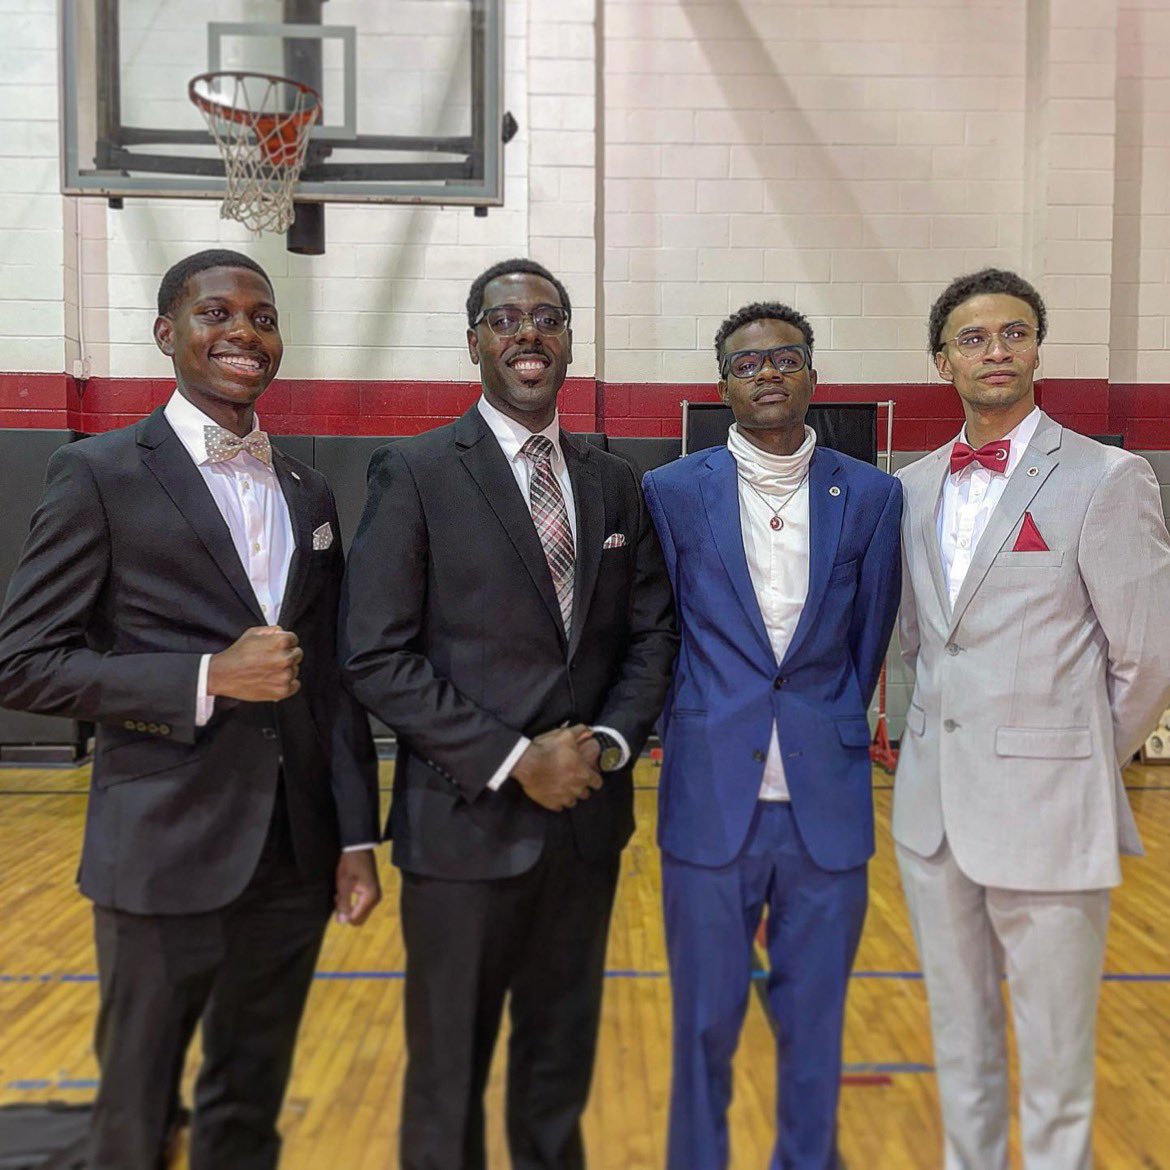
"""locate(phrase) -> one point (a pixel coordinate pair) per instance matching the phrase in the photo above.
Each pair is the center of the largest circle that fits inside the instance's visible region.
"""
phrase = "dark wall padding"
(848, 427)
(23, 455)
(645, 453)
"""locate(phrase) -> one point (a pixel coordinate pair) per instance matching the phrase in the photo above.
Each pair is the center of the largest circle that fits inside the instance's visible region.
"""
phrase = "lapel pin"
(834, 490)
(1033, 470)
(294, 475)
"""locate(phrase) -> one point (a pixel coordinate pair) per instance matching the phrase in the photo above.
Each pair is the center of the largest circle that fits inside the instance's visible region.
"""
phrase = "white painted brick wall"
(847, 157)
(1140, 325)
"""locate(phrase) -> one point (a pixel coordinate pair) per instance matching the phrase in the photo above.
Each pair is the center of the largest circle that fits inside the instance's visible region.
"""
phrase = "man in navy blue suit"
(785, 563)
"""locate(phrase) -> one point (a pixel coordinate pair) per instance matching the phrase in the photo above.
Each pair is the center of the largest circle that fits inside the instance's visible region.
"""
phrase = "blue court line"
(35, 1086)
(865, 1068)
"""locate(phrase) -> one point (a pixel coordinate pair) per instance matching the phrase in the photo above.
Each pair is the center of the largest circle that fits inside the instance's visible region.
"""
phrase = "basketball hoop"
(261, 125)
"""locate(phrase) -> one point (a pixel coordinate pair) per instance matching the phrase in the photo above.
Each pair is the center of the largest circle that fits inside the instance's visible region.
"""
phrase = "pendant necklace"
(776, 523)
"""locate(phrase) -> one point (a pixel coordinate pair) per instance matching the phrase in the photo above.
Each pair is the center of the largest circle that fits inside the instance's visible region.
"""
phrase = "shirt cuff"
(619, 738)
(360, 848)
(505, 769)
(204, 703)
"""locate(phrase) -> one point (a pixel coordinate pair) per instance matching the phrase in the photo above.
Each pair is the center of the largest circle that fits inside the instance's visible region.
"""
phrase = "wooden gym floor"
(342, 1104)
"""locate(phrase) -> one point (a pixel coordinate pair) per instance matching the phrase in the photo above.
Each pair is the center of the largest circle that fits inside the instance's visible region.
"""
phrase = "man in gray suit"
(1035, 597)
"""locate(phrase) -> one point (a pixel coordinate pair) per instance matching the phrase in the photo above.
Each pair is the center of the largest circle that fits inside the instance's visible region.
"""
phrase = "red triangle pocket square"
(1029, 539)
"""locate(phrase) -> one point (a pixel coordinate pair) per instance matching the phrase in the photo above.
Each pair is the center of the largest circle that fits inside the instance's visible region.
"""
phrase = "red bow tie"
(993, 456)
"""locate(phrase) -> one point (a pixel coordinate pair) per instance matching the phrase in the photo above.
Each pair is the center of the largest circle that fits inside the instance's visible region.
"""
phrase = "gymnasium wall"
(676, 158)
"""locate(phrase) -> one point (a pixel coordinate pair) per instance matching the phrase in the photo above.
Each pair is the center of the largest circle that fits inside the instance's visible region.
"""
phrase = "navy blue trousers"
(814, 925)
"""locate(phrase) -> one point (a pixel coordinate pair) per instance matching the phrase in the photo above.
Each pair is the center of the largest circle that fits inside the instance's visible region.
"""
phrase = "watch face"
(610, 759)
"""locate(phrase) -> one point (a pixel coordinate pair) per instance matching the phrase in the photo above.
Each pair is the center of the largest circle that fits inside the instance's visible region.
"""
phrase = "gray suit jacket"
(1046, 675)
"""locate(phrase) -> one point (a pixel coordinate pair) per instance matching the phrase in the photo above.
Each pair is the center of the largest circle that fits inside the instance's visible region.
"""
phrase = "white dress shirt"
(778, 561)
(969, 498)
(511, 436)
(253, 507)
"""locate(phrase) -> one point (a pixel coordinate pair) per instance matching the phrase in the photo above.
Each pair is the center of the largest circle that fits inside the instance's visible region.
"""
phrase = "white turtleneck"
(777, 561)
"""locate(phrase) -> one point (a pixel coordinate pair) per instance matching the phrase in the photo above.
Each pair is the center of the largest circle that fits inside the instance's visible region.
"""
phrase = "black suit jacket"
(452, 635)
(129, 575)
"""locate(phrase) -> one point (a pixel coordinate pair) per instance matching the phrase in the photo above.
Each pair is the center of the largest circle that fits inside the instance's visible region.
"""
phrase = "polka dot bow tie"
(222, 445)
(993, 456)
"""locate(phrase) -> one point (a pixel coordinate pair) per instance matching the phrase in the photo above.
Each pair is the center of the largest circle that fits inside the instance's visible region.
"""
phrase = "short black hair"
(762, 311)
(503, 268)
(174, 283)
(986, 281)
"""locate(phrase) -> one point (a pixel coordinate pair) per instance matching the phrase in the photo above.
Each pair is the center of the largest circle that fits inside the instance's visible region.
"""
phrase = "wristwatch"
(611, 752)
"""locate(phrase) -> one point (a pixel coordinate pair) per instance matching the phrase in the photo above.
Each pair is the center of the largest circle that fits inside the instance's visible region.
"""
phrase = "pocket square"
(617, 540)
(1029, 539)
(322, 537)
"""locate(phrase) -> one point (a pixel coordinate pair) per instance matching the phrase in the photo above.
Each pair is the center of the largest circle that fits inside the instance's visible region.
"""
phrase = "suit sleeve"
(879, 587)
(353, 763)
(639, 690)
(47, 662)
(661, 524)
(382, 612)
(908, 610)
(1124, 561)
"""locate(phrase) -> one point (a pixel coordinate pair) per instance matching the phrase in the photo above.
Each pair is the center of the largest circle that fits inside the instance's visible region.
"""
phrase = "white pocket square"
(322, 537)
(617, 540)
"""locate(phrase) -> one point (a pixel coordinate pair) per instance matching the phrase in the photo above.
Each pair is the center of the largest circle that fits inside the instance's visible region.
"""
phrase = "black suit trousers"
(243, 971)
(540, 937)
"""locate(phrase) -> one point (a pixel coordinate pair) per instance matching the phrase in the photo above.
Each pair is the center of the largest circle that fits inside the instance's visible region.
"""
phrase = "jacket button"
(778, 683)
(758, 756)
(152, 728)
(949, 725)
(129, 725)
(140, 726)
(952, 649)
(164, 729)
(268, 732)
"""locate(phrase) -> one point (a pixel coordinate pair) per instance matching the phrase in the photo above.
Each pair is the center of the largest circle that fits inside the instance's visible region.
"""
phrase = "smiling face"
(999, 381)
(225, 342)
(521, 375)
(769, 401)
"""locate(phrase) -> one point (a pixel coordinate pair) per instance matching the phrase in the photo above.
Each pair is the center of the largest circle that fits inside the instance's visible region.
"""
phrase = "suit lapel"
(297, 497)
(485, 461)
(719, 485)
(928, 530)
(168, 460)
(1041, 456)
(589, 504)
(827, 494)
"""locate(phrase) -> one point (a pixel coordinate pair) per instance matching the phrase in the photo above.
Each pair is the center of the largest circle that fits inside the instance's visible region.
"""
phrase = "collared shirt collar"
(511, 435)
(1021, 435)
(188, 421)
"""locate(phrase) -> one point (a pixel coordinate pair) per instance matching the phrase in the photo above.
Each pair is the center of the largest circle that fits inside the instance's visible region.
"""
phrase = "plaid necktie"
(222, 445)
(547, 503)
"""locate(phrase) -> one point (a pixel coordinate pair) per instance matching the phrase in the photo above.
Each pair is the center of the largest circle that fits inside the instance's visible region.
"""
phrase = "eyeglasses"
(1018, 338)
(506, 320)
(747, 363)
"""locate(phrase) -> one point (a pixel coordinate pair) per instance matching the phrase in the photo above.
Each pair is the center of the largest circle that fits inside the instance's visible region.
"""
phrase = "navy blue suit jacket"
(728, 689)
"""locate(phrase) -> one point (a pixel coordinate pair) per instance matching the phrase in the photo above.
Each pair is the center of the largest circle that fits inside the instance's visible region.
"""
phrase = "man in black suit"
(230, 771)
(507, 612)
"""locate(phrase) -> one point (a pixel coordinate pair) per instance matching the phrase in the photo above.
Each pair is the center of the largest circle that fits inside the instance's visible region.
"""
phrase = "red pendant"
(776, 523)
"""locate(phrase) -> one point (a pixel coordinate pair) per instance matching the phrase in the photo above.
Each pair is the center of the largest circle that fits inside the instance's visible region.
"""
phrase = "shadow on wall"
(757, 63)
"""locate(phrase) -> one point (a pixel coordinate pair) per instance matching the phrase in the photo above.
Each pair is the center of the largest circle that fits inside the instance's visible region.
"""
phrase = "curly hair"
(503, 268)
(174, 282)
(762, 311)
(974, 284)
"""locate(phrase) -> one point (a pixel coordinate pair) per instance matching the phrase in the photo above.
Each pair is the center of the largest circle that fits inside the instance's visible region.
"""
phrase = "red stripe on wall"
(925, 415)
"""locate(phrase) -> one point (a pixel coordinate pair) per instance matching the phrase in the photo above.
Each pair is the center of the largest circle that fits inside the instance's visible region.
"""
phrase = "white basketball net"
(261, 125)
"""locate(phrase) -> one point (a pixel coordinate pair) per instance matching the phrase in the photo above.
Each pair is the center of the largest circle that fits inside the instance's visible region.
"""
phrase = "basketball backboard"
(411, 95)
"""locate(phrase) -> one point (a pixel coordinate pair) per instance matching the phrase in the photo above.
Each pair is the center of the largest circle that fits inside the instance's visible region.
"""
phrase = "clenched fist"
(261, 666)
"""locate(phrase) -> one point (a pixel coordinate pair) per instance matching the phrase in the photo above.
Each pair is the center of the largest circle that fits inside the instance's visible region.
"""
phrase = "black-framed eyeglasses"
(507, 320)
(747, 363)
(1018, 338)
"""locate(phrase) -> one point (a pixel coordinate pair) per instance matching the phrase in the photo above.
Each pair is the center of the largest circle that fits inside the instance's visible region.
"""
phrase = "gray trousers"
(1052, 948)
